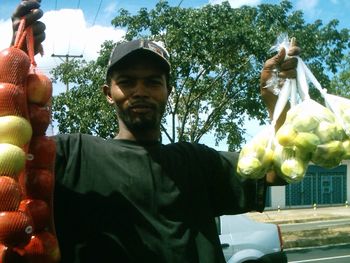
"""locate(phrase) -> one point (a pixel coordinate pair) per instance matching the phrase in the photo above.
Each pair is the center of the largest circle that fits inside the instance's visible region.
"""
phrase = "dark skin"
(30, 9)
(140, 90)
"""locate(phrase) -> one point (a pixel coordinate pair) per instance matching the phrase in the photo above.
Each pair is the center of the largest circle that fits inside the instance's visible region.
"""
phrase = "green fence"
(320, 186)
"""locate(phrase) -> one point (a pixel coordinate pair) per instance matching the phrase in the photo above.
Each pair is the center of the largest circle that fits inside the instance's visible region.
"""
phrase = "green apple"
(293, 170)
(346, 147)
(306, 141)
(286, 135)
(305, 122)
(12, 159)
(329, 155)
(326, 131)
(249, 167)
(15, 130)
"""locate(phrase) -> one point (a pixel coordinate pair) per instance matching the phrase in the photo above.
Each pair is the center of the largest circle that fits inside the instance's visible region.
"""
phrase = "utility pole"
(66, 60)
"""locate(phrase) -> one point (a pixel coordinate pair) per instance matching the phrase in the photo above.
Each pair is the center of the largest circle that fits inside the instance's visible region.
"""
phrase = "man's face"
(139, 92)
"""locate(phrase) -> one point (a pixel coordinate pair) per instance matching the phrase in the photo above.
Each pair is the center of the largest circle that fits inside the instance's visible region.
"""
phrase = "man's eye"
(155, 82)
(125, 82)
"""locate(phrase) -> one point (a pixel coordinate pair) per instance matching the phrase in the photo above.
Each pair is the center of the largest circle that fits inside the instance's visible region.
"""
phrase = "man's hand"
(30, 9)
(283, 68)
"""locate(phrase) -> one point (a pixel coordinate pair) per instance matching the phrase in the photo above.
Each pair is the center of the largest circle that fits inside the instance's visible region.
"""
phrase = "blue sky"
(79, 27)
(313, 9)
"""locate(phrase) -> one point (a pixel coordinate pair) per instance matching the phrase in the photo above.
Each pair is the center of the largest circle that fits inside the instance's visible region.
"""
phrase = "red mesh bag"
(27, 232)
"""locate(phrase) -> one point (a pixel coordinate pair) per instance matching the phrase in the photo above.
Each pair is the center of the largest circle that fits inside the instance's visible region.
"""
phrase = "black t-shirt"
(121, 201)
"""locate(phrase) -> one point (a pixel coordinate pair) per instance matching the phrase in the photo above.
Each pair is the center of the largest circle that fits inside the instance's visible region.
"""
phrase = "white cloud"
(5, 32)
(70, 35)
(237, 3)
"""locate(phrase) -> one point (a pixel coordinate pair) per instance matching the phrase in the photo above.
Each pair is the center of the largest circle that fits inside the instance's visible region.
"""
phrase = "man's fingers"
(24, 8)
(275, 60)
(39, 38)
(290, 74)
(38, 28)
(290, 63)
(294, 51)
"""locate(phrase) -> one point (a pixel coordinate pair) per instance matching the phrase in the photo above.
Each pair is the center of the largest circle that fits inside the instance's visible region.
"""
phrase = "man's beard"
(142, 122)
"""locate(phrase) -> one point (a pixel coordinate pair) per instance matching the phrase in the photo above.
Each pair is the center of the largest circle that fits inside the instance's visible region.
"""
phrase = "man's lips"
(142, 108)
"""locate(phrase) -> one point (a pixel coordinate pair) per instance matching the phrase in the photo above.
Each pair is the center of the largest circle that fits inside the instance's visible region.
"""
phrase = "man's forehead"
(139, 71)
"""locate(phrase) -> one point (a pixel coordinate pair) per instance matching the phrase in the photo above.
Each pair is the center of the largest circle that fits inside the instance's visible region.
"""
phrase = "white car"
(245, 240)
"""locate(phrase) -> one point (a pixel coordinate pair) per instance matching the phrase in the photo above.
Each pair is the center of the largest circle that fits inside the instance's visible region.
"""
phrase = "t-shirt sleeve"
(229, 193)
(65, 144)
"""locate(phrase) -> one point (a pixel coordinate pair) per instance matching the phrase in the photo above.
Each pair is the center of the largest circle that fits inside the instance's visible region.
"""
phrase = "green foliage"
(217, 53)
(340, 84)
(83, 107)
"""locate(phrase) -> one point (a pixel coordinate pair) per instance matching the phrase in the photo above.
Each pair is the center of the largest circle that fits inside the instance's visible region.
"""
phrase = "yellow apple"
(15, 130)
(12, 159)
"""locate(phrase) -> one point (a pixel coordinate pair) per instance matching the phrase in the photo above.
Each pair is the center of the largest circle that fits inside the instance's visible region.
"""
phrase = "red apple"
(39, 88)
(39, 211)
(8, 255)
(13, 100)
(39, 184)
(40, 118)
(15, 65)
(10, 194)
(15, 228)
(42, 150)
(42, 248)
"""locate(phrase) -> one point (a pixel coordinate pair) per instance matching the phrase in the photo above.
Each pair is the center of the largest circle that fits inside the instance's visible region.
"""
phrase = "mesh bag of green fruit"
(255, 158)
(313, 128)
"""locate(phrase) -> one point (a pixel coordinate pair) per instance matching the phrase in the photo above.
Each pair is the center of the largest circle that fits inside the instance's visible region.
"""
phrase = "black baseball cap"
(122, 51)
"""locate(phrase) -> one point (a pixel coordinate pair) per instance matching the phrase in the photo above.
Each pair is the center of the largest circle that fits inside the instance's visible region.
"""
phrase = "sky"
(79, 27)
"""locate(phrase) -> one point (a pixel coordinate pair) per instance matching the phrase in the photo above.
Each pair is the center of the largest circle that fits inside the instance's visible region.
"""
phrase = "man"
(133, 199)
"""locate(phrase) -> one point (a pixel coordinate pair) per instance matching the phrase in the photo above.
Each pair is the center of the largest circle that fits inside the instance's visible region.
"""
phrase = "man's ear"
(107, 92)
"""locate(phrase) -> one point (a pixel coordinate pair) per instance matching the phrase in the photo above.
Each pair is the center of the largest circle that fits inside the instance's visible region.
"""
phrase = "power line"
(94, 21)
(66, 60)
(98, 11)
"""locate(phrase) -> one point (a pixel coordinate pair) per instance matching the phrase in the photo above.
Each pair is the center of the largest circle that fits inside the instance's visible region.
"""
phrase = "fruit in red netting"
(15, 130)
(42, 150)
(43, 247)
(39, 184)
(12, 159)
(15, 228)
(15, 65)
(10, 194)
(38, 210)
(12, 100)
(39, 88)
(39, 118)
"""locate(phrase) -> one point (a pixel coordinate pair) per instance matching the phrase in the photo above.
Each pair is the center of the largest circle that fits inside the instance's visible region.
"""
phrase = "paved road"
(315, 225)
(327, 254)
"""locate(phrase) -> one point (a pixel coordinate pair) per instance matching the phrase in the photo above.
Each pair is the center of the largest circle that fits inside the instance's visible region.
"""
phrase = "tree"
(217, 53)
(83, 108)
(340, 84)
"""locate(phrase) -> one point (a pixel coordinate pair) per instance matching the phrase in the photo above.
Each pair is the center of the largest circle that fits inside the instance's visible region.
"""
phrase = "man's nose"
(140, 88)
